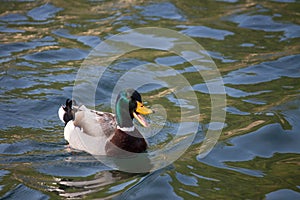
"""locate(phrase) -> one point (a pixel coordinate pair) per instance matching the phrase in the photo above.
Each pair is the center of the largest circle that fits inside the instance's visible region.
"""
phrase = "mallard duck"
(103, 133)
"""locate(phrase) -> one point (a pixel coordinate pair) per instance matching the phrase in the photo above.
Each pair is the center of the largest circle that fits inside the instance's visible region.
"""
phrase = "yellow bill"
(141, 109)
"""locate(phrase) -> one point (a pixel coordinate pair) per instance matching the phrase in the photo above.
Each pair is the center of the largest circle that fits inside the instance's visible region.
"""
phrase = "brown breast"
(123, 143)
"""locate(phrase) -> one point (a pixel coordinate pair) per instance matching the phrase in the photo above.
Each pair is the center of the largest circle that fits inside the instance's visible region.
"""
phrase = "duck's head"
(129, 105)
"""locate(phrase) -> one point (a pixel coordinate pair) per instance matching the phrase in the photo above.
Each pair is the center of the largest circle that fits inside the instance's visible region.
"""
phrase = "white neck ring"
(126, 129)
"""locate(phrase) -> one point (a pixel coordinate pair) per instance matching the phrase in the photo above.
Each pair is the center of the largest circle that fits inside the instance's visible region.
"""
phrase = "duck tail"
(66, 112)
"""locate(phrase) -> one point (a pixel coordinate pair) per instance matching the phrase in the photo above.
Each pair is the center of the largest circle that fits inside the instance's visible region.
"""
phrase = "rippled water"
(255, 45)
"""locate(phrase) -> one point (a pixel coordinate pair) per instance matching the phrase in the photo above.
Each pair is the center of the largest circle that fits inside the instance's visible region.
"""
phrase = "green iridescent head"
(129, 105)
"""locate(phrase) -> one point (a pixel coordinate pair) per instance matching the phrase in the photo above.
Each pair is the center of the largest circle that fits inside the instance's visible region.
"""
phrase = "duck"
(104, 133)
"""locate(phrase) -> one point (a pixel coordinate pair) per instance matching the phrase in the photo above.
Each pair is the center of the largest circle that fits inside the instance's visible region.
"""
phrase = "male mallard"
(103, 133)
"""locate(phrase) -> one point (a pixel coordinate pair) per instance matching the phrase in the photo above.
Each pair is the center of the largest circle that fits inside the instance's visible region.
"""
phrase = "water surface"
(255, 46)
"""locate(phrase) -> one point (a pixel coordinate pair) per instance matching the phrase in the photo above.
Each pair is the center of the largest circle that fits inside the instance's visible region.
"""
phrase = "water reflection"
(255, 45)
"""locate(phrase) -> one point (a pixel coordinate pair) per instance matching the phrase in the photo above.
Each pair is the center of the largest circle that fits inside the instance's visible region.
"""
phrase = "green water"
(255, 45)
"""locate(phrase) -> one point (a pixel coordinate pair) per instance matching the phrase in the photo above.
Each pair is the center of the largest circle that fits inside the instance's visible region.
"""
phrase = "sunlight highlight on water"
(255, 45)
